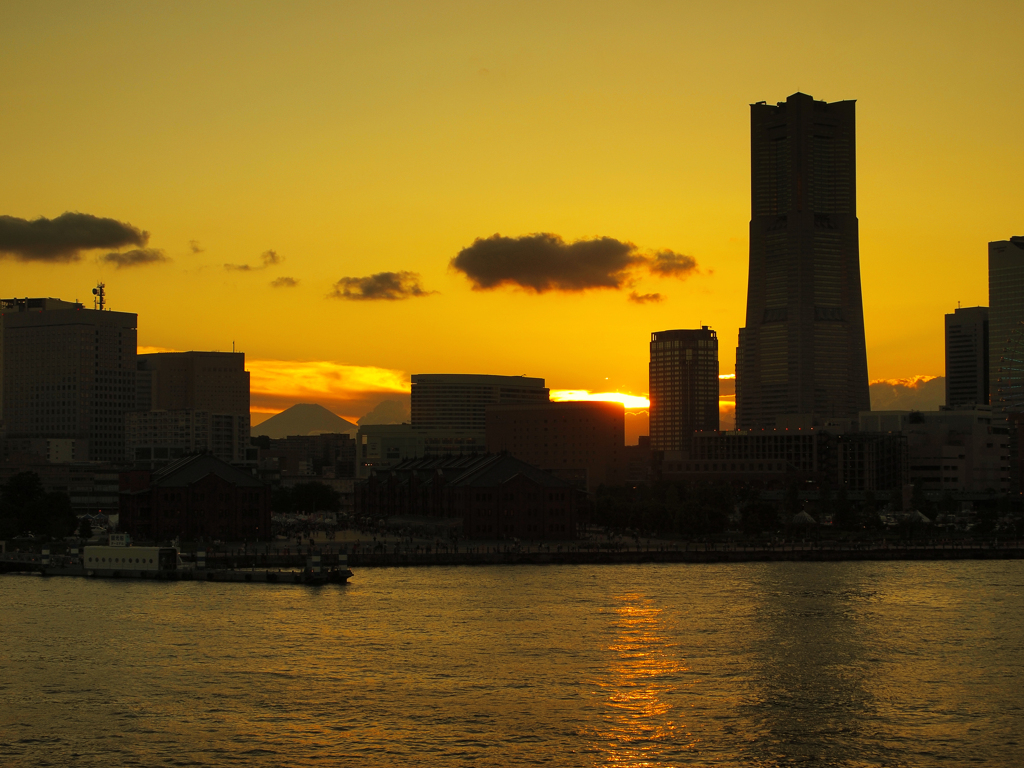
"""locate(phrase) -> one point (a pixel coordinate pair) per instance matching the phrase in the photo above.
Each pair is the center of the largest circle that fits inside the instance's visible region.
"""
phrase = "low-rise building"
(197, 497)
(379, 446)
(961, 449)
(497, 496)
(857, 461)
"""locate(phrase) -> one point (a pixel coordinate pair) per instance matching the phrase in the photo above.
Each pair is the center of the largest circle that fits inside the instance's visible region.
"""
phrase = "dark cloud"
(645, 298)
(62, 238)
(195, 246)
(545, 262)
(135, 258)
(669, 264)
(387, 286)
(284, 282)
(269, 259)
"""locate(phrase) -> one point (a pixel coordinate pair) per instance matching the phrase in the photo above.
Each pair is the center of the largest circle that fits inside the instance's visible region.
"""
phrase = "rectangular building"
(775, 458)
(215, 382)
(580, 442)
(967, 365)
(190, 402)
(457, 401)
(683, 386)
(1006, 325)
(155, 438)
(965, 449)
(67, 373)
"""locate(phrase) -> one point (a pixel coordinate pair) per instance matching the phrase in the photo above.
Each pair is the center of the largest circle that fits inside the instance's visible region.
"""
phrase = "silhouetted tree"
(25, 506)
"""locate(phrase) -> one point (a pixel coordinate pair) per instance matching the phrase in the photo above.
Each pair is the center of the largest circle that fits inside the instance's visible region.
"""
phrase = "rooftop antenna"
(99, 297)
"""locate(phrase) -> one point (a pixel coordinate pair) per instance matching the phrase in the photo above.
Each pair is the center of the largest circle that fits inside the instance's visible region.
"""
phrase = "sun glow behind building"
(638, 406)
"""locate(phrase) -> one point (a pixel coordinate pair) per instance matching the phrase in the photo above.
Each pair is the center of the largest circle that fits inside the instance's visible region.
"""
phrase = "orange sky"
(319, 144)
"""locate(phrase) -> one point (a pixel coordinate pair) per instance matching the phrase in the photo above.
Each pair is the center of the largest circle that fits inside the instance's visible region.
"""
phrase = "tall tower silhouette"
(802, 348)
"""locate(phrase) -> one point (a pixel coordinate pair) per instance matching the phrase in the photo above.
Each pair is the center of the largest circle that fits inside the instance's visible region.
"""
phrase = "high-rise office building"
(802, 349)
(67, 376)
(1006, 325)
(967, 356)
(190, 402)
(683, 386)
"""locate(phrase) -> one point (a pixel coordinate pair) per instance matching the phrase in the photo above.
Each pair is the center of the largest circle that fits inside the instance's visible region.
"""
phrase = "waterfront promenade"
(573, 554)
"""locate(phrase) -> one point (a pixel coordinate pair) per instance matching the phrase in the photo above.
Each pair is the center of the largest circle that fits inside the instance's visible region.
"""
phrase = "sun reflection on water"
(641, 722)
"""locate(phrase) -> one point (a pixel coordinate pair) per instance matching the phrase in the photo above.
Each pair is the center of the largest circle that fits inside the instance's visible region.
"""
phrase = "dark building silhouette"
(582, 442)
(967, 356)
(802, 349)
(776, 458)
(195, 497)
(189, 402)
(497, 497)
(458, 401)
(67, 377)
(1006, 325)
(683, 386)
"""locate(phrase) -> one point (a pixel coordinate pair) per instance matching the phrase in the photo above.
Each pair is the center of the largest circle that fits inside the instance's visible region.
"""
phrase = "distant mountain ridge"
(304, 419)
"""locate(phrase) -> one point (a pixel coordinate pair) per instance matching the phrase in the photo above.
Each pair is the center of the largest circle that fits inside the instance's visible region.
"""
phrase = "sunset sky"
(307, 172)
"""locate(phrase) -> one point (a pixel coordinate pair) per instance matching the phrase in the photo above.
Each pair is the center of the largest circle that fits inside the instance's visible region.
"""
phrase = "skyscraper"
(967, 356)
(802, 349)
(683, 386)
(1006, 332)
(67, 376)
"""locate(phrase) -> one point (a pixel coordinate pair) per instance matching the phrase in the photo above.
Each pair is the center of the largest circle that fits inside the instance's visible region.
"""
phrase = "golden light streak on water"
(643, 668)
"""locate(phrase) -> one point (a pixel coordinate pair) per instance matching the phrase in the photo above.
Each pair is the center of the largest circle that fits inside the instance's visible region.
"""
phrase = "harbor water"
(756, 664)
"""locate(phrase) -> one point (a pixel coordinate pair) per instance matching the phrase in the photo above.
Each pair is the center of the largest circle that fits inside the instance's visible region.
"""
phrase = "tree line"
(26, 507)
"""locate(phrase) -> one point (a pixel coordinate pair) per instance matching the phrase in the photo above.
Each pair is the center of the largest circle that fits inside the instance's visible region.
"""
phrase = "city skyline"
(332, 222)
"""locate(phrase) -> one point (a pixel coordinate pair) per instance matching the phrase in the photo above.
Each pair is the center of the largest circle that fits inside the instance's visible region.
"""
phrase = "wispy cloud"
(645, 298)
(195, 247)
(62, 239)
(284, 282)
(267, 259)
(137, 257)
(383, 286)
(669, 264)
